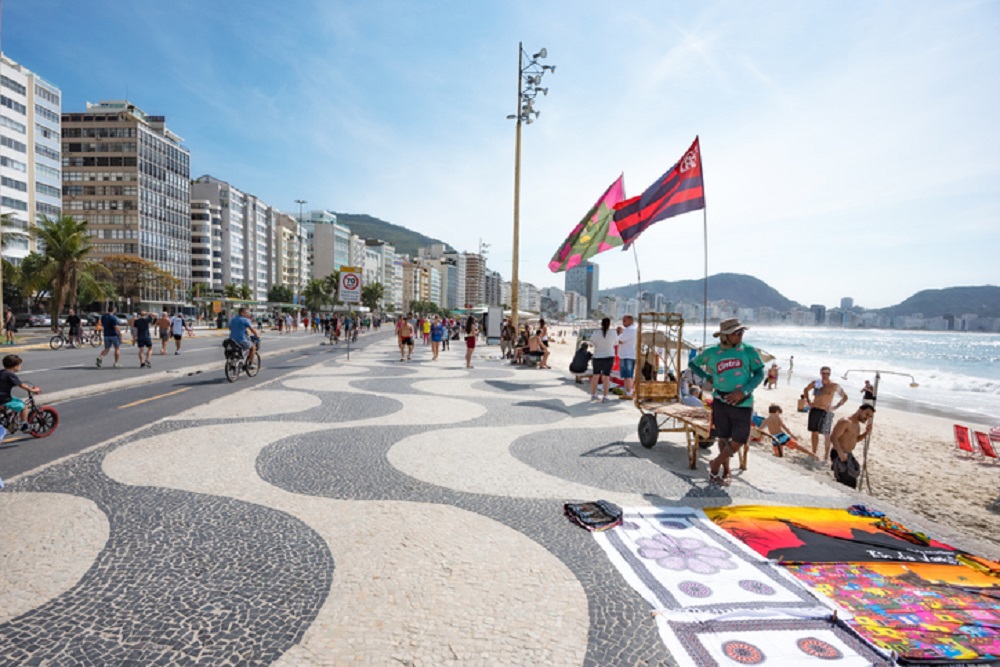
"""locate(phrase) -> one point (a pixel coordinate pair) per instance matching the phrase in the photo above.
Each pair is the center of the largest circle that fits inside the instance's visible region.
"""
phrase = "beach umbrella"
(660, 339)
(766, 356)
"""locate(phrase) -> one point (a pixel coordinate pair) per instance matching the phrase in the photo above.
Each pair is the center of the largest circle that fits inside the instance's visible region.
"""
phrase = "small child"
(779, 431)
(9, 380)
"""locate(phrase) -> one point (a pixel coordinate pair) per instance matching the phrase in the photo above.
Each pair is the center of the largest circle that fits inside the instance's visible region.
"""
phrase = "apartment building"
(129, 176)
(584, 279)
(206, 247)
(287, 267)
(30, 155)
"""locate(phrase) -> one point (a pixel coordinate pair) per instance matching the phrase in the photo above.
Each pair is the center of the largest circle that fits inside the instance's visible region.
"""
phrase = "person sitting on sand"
(781, 435)
(845, 437)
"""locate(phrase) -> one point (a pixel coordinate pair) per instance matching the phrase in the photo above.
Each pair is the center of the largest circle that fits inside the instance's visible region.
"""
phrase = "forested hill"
(747, 291)
(403, 240)
(983, 301)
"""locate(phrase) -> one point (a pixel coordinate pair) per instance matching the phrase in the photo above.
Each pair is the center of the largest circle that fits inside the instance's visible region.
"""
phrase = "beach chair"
(986, 446)
(963, 441)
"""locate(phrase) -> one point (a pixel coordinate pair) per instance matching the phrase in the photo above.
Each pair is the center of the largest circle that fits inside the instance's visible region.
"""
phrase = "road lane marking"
(304, 356)
(153, 398)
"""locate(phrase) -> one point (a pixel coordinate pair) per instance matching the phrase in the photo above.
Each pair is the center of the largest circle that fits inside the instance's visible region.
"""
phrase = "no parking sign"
(350, 284)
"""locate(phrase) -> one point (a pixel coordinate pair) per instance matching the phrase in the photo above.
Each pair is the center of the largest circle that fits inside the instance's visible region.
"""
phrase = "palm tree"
(67, 246)
(316, 294)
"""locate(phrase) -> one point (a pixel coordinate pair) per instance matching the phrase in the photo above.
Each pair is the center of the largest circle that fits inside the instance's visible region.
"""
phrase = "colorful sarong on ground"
(901, 590)
(922, 612)
(816, 535)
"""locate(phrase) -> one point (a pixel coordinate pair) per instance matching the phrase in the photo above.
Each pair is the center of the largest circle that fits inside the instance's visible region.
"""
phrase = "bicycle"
(42, 421)
(236, 359)
(91, 338)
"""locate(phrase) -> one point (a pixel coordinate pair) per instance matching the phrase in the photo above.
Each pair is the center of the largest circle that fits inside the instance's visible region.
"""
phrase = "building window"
(13, 104)
(13, 124)
(9, 83)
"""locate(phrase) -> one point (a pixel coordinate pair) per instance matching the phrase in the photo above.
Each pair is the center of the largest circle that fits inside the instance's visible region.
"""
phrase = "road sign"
(350, 284)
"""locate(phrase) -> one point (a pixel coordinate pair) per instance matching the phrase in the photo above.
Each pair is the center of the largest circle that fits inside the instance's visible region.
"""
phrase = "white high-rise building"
(248, 243)
(206, 247)
(30, 154)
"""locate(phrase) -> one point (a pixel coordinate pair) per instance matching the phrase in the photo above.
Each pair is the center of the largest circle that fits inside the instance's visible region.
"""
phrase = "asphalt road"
(96, 404)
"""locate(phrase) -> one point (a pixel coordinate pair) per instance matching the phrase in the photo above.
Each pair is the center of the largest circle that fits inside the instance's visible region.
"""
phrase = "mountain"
(404, 240)
(983, 301)
(747, 291)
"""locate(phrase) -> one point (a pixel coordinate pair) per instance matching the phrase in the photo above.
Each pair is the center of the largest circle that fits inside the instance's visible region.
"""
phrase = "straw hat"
(727, 327)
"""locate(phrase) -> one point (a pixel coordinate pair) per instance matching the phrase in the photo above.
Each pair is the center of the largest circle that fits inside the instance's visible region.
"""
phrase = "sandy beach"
(912, 461)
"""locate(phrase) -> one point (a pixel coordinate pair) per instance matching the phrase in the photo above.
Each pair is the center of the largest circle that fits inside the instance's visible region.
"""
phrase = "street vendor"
(735, 370)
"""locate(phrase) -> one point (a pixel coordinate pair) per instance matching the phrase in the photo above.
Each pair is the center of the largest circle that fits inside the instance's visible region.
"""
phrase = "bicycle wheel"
(232, 369)
(43, 422)
(95, 340)
(57, 341)
(254, 367)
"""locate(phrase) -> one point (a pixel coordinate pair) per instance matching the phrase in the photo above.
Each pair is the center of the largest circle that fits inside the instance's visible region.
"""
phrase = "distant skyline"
(850, 148)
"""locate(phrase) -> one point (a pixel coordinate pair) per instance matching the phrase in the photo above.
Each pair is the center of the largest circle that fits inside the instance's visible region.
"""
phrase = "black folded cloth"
(596, 516)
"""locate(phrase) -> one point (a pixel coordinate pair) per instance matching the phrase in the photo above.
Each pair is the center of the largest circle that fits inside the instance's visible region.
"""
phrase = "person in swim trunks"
(404, 335)
(823, 392)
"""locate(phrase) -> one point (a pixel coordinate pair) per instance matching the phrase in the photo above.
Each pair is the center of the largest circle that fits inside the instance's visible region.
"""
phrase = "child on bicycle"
(9, 380)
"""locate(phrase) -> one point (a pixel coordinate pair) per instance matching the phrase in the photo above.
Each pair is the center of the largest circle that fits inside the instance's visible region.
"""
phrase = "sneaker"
(24, 428)
(177, 351)
(99, 362)
(593, 397)
(116, 364)
(604, 399)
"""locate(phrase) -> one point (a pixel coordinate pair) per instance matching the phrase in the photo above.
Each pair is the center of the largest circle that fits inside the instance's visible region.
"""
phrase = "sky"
(850, 148)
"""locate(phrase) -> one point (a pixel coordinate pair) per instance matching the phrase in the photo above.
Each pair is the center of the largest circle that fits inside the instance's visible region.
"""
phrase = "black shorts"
(144, 341)
(730, 422)
(602, 365)
(818, 421)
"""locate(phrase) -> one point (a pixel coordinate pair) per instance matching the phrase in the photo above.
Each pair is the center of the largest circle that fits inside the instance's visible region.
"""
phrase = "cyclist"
(75, 324)
(238, 328)
(9, 380)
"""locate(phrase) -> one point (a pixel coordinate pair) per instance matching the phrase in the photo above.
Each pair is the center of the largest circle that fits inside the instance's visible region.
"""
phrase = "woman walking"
(471, 331)
(604, 358)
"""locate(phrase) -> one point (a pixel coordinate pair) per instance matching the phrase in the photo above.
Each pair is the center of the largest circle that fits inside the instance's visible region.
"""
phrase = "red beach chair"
(986, 447)
(963, 441)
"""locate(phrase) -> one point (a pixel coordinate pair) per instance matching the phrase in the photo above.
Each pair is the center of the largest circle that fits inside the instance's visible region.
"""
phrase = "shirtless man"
(821, 408)
(846, 436)
(404, 335)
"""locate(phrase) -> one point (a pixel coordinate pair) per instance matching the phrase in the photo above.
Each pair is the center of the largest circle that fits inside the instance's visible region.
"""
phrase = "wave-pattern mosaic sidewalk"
(363, 512)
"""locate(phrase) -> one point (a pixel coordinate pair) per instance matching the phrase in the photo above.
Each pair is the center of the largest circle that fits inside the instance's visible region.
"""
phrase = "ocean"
(958, 373)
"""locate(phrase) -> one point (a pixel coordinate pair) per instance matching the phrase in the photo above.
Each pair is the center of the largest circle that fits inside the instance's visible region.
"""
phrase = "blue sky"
(851, 148)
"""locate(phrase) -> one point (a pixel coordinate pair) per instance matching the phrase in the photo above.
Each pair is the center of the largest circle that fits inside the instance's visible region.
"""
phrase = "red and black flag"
(678, 191)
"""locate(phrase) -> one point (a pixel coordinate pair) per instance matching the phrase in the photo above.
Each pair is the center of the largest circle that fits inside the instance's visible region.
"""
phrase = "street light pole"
(300, 202)
(529, 73)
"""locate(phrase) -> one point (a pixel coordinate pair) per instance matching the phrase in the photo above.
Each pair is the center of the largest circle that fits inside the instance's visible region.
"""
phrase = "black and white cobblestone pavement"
(367, 512)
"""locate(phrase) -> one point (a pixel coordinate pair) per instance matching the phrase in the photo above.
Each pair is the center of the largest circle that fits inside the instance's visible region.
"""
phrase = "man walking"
(823, 391)
(163, 325)
(626, 353)
(112, 336)
(735, 370)
(177, 328)
(143, 339)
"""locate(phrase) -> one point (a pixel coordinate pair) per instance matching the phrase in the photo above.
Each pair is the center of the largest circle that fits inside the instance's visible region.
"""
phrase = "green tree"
(131, 276)
(316, 294)
(67, 248)
(245, 292)
(371, 294)
(35, 278)
(280, 294)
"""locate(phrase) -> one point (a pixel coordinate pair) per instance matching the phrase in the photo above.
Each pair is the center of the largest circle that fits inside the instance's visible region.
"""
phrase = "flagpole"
(704, 218)
(638, 277)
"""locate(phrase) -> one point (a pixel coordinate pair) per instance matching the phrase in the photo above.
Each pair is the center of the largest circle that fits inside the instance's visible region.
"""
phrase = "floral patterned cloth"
(678, 560)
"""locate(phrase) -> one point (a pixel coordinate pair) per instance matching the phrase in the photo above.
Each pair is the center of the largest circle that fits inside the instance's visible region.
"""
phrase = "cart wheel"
(649, 430)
